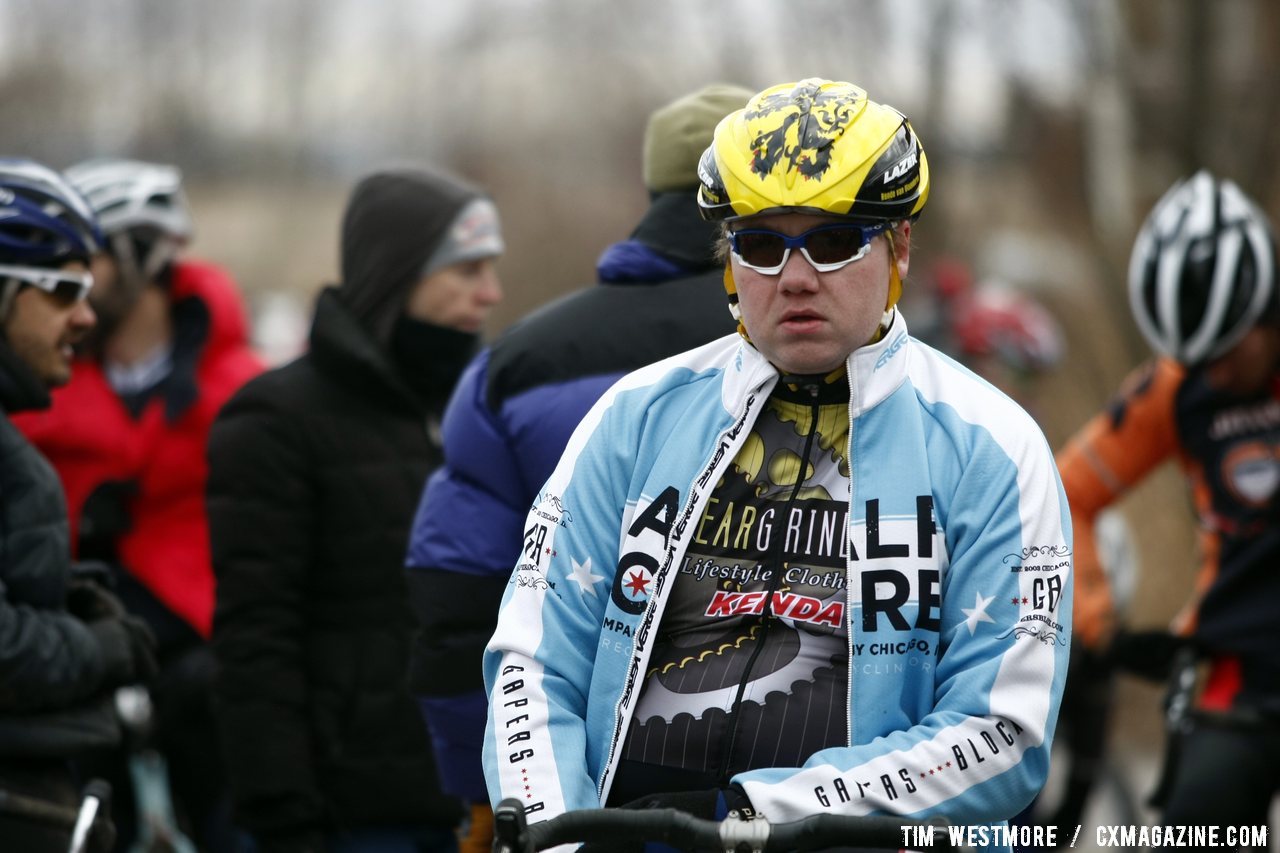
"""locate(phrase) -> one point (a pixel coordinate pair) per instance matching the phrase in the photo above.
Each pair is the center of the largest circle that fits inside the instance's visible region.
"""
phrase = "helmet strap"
(163, 251)
(731, 288)
(895, 291)
(131, 274)
(895, 280)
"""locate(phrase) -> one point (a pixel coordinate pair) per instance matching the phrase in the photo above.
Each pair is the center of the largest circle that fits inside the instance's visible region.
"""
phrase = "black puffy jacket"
(315, 470)
(53, 699)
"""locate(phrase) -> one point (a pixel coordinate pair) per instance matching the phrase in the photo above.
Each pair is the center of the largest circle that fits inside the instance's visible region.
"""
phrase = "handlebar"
(513, 834)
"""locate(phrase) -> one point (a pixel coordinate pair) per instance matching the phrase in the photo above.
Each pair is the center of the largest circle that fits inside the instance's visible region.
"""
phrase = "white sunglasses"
(826, 247)
(67, 287)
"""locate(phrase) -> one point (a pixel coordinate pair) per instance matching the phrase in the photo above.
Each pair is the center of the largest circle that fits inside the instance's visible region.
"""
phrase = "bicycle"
(514, 834)
(158, 828)
(1179, 664)
(1182, 715)
(78, 824)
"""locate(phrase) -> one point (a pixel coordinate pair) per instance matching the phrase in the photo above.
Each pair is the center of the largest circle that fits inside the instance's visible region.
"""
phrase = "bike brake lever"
(510, 828)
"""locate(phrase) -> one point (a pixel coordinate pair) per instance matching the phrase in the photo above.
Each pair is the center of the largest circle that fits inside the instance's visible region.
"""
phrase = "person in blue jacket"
(659, 293)
(814, 566)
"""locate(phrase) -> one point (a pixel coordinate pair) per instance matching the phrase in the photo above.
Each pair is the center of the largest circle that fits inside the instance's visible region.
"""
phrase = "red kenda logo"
(802, 608)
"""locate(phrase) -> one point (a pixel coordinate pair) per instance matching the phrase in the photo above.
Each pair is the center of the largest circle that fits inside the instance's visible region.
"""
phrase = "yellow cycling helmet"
(815, 146)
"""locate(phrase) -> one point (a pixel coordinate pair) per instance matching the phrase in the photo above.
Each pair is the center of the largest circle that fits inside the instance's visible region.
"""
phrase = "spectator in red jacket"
(127, 437)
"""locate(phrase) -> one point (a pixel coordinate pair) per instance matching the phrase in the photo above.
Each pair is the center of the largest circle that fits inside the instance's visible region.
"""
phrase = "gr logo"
(535, 539)
(1045, 593)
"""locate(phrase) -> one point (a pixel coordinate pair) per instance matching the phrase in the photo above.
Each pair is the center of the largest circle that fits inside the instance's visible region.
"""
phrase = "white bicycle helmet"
(1202, 272)
(141, 207)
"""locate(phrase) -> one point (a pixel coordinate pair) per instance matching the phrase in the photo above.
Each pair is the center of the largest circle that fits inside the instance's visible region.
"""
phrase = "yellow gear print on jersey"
(770, 468)
(774, 471)
(814, 146)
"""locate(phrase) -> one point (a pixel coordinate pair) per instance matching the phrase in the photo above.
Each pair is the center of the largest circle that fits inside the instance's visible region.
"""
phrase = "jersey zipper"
(730, 735)
(848, 570)
(697, 500)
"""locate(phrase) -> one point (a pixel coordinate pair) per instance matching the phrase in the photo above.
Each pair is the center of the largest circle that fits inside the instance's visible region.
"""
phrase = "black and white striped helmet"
(1202, 272)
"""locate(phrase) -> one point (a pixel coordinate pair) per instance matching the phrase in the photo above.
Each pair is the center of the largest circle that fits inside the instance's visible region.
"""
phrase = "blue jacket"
(508, 421)
(959, 598)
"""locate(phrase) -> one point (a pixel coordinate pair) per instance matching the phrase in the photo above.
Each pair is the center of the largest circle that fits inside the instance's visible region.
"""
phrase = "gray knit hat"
(394, 223)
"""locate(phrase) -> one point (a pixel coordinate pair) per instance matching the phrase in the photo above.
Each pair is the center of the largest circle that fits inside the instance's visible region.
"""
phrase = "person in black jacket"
(660, 293)
(65, 643)
(315, 469)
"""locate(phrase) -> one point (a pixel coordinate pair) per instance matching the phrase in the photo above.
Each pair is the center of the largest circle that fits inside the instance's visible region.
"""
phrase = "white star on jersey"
(581, 575)
(977, 614)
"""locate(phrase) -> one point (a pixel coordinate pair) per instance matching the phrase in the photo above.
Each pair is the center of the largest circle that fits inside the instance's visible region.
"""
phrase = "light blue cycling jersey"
(958, 596)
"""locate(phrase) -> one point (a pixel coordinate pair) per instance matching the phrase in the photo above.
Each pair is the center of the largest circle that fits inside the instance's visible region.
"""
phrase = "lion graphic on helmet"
(810, 121)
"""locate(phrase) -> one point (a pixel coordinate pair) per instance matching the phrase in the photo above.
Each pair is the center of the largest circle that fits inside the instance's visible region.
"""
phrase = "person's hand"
(711, 804)
(106, 512)
(128, 649)
(88, 600)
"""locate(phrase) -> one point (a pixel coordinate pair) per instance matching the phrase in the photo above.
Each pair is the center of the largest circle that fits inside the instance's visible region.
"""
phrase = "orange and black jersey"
(1229, 448)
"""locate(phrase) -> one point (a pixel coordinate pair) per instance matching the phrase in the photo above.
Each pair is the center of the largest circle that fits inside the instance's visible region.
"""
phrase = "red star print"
(1015, 599)
(636, 582)
(930, 771)
(921, 775)
(1024, 599)
(948, 763)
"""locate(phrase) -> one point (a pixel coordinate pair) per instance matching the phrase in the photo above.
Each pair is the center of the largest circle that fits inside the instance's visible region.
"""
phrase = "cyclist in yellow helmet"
(811, 567)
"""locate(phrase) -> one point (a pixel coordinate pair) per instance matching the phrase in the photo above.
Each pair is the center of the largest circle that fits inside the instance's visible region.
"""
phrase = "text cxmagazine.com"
(1106, 835)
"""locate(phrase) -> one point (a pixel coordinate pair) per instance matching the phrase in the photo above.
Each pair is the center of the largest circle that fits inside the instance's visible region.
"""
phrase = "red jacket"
(91, 438)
